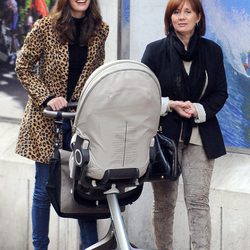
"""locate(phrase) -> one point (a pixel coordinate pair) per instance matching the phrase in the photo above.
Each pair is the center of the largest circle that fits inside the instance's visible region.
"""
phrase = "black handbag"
(164, 159)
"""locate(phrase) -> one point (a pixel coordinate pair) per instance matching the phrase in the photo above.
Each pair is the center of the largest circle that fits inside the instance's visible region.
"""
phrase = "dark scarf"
(183, 86)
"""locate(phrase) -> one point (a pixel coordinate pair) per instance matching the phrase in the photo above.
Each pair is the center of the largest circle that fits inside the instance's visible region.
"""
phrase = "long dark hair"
(196, 6)
(63, 22)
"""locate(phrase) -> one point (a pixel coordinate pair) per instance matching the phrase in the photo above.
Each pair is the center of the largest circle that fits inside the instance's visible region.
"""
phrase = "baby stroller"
(115, 122)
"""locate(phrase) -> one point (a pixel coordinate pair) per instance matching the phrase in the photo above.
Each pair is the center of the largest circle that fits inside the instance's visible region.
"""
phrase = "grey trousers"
(196, 173)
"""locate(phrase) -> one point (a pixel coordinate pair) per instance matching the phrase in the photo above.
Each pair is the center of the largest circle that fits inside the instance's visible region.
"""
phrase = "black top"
(156, 58)
(77, 59)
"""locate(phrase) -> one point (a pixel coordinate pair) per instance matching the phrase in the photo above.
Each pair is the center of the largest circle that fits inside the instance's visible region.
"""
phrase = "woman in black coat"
(194, 88)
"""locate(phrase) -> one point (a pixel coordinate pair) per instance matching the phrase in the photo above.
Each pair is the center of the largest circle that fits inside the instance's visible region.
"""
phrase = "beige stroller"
(116, 119)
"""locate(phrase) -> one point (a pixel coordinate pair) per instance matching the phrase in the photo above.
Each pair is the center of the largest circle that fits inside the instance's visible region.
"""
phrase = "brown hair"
(196, 6)
(64, 25)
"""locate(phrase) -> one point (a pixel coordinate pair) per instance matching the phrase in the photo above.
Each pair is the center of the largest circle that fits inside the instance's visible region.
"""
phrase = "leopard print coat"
(36, 136)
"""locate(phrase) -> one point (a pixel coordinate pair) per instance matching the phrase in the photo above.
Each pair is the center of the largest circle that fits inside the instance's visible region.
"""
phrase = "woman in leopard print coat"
(58, 56)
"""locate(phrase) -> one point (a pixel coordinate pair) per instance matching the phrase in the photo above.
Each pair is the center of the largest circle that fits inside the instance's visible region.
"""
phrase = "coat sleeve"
(26, 64)
(216, 95)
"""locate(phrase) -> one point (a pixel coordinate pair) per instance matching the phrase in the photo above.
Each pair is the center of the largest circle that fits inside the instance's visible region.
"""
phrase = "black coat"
(156, 58)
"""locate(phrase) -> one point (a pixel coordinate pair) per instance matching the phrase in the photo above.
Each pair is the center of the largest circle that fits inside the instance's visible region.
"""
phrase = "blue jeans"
(41, 208)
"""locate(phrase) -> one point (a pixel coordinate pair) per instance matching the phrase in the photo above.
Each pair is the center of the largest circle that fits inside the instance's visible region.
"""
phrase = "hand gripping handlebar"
(64, 113)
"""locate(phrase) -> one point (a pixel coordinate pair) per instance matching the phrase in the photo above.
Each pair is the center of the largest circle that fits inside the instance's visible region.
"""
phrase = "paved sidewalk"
(13, 97)
(8, 137)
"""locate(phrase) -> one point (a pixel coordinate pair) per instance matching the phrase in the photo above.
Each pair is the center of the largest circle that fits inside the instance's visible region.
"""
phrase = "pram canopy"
(118, 113)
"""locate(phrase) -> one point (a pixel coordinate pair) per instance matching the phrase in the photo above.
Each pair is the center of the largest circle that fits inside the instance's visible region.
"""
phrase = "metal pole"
(120, 232)
(123, 29)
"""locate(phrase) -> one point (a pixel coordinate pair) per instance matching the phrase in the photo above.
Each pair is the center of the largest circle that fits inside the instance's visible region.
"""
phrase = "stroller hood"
(118, 113)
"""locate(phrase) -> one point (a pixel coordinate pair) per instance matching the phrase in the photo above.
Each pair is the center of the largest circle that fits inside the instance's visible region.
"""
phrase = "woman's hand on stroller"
(57, 103)
(58, 107)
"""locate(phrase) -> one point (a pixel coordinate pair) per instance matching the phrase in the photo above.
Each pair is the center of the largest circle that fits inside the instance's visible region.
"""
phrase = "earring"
(197, 24)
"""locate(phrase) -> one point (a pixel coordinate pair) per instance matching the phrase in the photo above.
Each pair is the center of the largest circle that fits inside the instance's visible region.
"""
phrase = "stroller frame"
(117, 228)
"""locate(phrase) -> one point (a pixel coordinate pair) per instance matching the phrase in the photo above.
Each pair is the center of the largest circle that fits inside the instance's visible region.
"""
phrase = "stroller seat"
(116, 119)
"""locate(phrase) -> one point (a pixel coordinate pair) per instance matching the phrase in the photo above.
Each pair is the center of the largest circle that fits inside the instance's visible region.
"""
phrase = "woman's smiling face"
(78, 7)
(184, 19)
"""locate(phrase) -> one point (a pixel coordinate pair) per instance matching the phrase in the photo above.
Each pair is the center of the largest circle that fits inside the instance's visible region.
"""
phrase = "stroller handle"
(65, 113)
